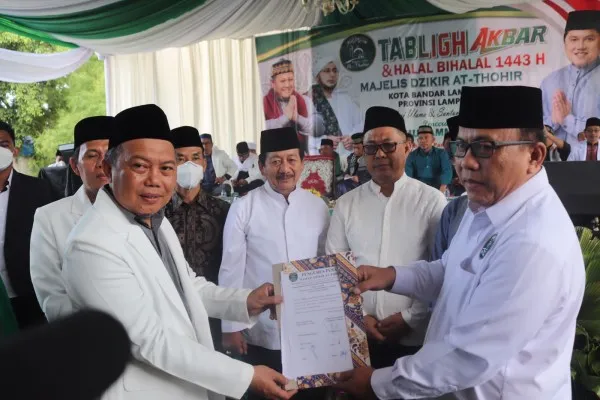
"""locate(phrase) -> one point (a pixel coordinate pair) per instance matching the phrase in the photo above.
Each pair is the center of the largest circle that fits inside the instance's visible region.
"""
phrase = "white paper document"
(313, 324)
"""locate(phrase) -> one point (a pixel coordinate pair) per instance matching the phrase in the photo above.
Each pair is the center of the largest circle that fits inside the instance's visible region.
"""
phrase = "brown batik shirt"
(199, 227)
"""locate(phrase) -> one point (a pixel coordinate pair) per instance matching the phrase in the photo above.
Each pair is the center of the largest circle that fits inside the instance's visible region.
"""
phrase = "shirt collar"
(586, 69)
(9, 180)
(156, 219)
(278, 196)
(201, 199)
(500, 212)
(376, 189)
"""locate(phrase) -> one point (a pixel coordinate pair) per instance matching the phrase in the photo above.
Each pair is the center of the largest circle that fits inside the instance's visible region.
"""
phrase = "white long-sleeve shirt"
(384, 231)
(508, 292)
(263, 229)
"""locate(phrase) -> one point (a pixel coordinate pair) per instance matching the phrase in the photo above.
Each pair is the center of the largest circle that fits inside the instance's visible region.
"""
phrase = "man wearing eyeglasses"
(392, 217)
(592, 135)
(508, 290)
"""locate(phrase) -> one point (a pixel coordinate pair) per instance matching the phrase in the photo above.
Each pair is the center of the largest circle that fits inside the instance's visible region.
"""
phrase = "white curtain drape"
(30, 67)
(463, 6)
(213, 86)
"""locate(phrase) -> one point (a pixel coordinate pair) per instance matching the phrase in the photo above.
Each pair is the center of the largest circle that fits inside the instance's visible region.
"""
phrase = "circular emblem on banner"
(293, 277)
(357, 52)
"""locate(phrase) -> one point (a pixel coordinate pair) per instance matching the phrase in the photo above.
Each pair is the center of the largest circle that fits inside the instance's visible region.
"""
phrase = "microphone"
(76, 358)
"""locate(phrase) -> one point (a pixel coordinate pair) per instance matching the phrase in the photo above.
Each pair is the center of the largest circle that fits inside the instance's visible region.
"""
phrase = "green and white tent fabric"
(134, 26)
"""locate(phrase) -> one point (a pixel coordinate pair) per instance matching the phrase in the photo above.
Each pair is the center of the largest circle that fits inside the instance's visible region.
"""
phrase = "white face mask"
(189, 175)
(6, 158)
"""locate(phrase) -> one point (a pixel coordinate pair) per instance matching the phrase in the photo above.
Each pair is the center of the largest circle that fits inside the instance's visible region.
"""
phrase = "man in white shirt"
(53, 223)
(508, 290)
(276, 223)
(340, 113)
(391, 219)
(124, 258)
(248, 175)
(219, 168)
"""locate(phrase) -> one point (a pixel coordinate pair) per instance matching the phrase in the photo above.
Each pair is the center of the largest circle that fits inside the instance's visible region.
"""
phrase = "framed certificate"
(321, 321)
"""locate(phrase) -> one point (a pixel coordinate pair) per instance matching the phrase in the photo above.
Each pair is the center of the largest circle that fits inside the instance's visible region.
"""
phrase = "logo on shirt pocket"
(488, 246)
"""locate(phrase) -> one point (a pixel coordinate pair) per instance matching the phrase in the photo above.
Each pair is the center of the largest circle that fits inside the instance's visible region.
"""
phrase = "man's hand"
(443, 188)
(357, 383)
(560, 107)
(234, 342)
(263, 298)
(355, 178)
(393, 327)
(374, 278)
(371, 328)
(219, 181)
(291, 109)
(268, 383)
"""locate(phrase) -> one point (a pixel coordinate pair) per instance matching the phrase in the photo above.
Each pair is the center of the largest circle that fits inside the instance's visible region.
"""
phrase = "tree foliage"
(84, 97)
(48, 111)
(30, 108)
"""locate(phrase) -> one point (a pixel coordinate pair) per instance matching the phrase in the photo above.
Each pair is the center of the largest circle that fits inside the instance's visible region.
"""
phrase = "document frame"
(344, 264)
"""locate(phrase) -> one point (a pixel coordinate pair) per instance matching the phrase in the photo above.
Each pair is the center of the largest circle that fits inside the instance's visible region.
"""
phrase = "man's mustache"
(284, 176)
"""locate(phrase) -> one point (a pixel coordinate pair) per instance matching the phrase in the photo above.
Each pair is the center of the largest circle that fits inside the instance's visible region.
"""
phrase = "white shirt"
(349, 119)
(3, 209)
(580, 153)
(262, 230)
(51, 227)
(383, 231)
(250, 165)
(508, 292)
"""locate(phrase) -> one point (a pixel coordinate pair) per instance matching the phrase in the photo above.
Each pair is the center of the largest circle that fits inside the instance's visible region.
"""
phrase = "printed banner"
(323, 81)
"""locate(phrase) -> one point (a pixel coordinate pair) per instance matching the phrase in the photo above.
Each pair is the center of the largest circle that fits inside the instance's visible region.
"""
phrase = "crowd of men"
(475, 298)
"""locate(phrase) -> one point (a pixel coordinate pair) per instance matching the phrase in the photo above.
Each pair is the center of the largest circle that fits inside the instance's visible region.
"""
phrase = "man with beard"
(341, 115)
(284, 107)
(508, 290)
(53, 223)
(570, 94)
(275, 223)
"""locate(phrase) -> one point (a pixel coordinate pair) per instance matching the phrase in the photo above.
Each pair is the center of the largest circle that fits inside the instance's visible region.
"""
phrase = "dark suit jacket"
(26, 194)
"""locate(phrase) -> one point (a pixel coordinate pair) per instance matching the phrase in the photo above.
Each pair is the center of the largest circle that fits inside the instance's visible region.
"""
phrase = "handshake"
(271, 384)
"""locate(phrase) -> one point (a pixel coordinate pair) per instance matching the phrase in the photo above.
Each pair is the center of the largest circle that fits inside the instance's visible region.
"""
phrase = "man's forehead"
(283, 153)
(287, 75)
(98, 144)
(485, 134)
(151, 149)
(583, 33)
(382, 133)
(189, 150)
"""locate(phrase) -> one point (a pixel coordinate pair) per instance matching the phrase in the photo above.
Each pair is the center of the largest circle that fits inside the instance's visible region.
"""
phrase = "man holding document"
(275, 223)
(508, 290)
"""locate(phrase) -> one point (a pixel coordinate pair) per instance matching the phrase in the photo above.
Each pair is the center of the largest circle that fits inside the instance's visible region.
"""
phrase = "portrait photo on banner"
(322, 80)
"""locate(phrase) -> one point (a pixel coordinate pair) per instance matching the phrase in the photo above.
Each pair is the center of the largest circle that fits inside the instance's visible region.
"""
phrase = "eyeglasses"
(592, 130)
(386, 147)
(482, 148)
